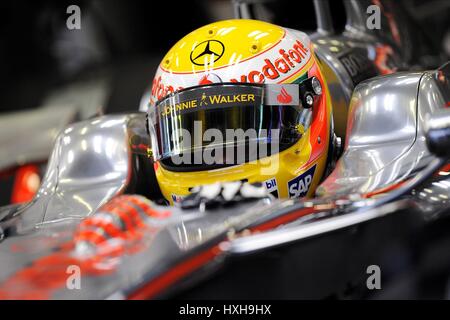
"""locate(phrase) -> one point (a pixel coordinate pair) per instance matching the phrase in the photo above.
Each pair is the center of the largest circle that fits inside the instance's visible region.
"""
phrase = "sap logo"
(299, 186)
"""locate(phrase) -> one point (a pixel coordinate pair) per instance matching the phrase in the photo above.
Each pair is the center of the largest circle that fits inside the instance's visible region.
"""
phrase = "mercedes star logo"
(207, 52)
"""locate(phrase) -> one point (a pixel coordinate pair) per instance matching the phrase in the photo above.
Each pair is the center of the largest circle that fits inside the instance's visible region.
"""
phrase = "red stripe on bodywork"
(384, 190)
(283, 219)
(176, 273)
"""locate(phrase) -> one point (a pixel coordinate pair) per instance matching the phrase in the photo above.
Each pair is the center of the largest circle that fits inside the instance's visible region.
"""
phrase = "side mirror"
(437, 132)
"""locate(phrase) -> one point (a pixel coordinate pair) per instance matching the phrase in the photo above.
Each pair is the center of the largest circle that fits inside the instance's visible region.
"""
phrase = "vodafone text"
(273, 69)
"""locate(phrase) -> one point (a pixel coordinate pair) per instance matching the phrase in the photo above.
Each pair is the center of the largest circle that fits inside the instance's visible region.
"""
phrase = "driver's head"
(240, 100)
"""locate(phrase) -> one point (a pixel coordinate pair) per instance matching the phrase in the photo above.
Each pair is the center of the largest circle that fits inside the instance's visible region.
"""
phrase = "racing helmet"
(240, 100)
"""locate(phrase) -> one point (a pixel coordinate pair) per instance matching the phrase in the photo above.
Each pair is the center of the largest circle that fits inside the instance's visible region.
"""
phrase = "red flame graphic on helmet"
(284, 96)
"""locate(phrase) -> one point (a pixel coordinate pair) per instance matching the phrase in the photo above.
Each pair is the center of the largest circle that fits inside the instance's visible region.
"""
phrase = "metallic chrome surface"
(90, 164)
(289, 234)
(431, 95)
(385, 133)
(356, 22)
(438, 133)
(323, 17)
(434, 197)
(436, 124)
(385, 142)
(438, 120)
(241, 9)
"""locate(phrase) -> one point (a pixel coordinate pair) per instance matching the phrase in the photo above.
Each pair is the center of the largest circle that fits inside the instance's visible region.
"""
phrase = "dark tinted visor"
(224, 117)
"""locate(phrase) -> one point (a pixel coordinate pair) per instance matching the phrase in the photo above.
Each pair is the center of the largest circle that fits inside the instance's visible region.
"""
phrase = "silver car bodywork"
(93, 162)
